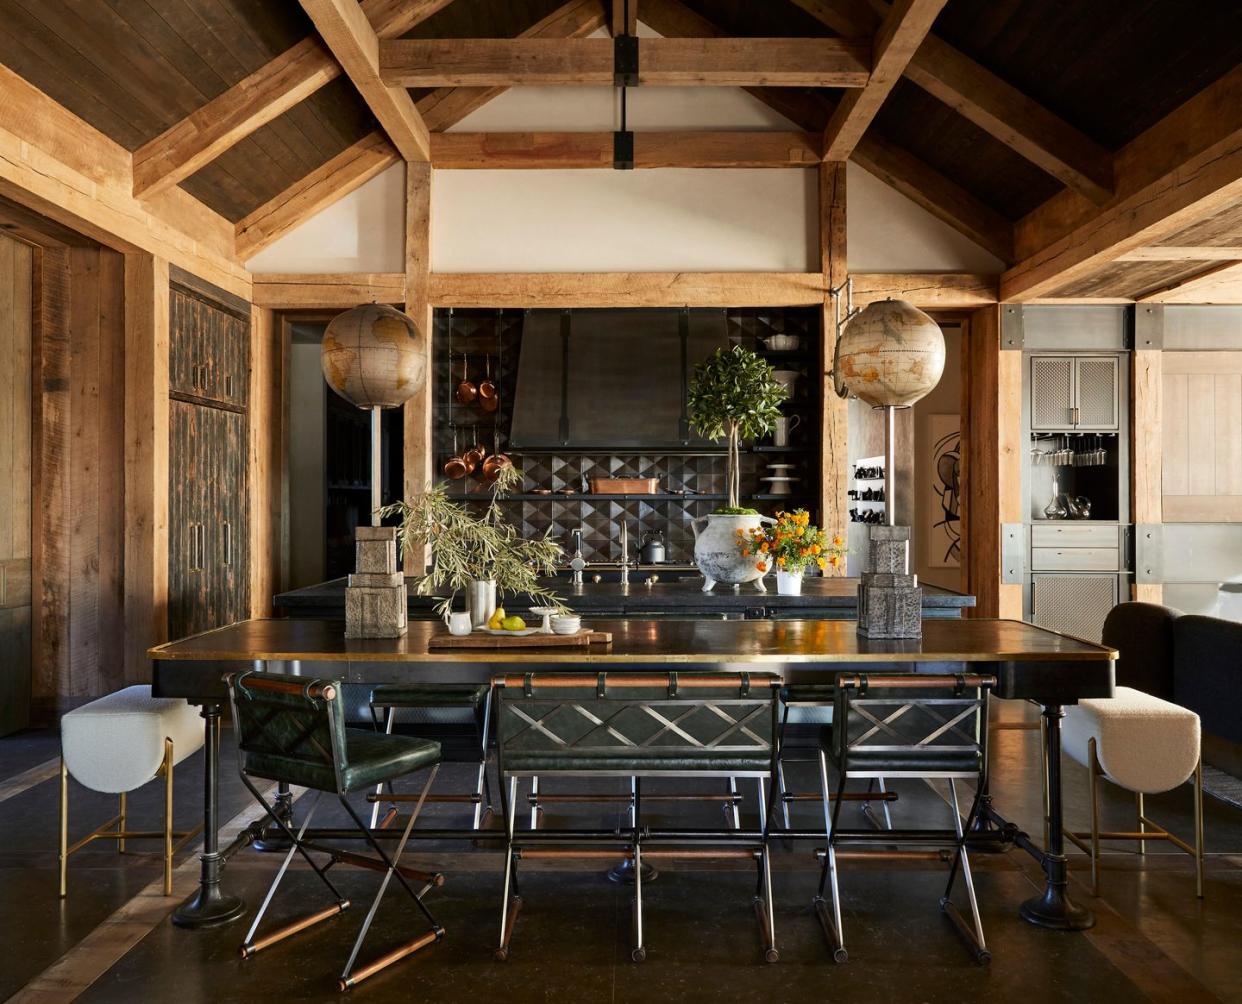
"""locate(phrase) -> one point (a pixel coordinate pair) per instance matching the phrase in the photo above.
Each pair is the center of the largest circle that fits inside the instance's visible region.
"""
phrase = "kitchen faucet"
(625, 553)
(577, 563)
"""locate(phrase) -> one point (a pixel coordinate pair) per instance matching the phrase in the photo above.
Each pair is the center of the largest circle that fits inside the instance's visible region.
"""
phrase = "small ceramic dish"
(546, 613)
(566, 624)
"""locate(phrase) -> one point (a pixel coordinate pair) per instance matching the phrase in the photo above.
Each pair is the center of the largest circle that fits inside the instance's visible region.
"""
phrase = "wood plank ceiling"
(1004, 106)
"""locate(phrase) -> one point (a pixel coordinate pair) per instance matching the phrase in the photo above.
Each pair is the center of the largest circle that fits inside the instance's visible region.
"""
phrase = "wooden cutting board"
(480, 639)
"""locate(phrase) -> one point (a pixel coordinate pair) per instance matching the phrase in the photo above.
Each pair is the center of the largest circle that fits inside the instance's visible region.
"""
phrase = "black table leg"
(1054, 908)
(209, 906)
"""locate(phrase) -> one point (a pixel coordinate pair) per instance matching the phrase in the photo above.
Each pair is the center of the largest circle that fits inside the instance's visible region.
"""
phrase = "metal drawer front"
(1075, 559)
(1074, 535)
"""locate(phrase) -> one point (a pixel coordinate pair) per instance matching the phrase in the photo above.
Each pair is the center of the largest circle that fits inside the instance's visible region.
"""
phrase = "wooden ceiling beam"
(917, 180)
(326, 292)
(446, 106)
(344, 27)
(202, 136)
(560, 150)
(995, 106)
(1185, 168)
(329, 182)
(1221, 283)
(623, 17)
(674, 62)
(902, 31)
(269, 92)
(1182, 252)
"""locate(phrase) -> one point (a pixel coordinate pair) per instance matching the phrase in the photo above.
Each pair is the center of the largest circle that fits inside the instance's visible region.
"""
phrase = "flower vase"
(789, 583)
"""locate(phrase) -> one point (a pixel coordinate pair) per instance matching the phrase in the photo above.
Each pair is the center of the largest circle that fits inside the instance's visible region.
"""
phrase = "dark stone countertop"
(670, 597)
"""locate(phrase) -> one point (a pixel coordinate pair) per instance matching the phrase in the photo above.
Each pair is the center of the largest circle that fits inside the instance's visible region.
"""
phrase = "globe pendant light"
(375, 357)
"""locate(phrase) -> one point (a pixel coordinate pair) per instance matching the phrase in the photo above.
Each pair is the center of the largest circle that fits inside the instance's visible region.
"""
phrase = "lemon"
(514, 623)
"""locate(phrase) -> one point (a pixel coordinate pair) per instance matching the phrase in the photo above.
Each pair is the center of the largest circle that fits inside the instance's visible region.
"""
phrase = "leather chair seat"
(914, 760)
(808, 693)
(636, 763)
(426, 695)
(371, 758)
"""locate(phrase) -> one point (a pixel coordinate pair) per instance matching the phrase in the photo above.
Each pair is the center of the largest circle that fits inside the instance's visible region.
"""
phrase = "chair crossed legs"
(907, 726)
(292, 729)
(636, 725)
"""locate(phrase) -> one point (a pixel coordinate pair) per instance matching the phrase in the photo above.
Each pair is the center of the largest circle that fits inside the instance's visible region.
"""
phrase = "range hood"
(610, 378)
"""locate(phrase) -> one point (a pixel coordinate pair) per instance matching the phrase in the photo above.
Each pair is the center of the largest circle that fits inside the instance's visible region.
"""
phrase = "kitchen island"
(1030, 663)
(674, 594)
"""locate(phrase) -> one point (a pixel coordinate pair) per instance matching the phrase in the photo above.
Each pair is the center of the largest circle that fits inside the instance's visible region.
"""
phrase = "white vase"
(788, 583)
(717, 554)
(481, 599)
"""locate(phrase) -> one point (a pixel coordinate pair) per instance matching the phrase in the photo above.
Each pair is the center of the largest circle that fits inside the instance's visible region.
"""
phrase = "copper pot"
(494, 464)
(489, 394)
(474, 456)
(455, 467)
(466, 391)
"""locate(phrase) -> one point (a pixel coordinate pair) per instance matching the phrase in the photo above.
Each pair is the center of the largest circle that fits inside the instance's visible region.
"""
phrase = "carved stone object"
(890, 602)
(375, 599)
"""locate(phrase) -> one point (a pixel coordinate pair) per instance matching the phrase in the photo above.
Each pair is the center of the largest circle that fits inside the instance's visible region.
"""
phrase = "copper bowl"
(494, 464)
(455, 468)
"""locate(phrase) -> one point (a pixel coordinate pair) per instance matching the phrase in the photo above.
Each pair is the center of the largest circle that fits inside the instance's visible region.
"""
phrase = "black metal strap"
(528, 689)
(672, 685)
(743, 689)
(625, 60)
(601, 686)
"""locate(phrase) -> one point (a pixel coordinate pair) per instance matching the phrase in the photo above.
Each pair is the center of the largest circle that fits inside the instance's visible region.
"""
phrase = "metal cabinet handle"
(196, 547)
(228, 543)
(228, 385)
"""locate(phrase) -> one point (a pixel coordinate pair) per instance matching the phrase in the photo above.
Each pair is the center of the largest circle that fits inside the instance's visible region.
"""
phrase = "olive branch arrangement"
(466, 547)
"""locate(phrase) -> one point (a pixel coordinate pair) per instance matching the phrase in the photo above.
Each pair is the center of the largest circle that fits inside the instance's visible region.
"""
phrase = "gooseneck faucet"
(577, 563)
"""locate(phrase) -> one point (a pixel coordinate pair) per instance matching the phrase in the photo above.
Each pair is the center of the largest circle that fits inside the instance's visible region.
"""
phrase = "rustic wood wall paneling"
(146, 460)
(418, 443)
(834, 479)
(16, 382)
(1201, 437)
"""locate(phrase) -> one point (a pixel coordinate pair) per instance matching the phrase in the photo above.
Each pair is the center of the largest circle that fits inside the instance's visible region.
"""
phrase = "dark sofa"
(1188, 659)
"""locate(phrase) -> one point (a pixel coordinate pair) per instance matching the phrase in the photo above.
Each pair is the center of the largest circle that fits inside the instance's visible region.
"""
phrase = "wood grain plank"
(834, 429)
(110, 417)
(1175, 435)
(1203, 509)
(673, 62)
(327, 291)
(1201, 434)
(266, 459)
(419, 443)
(1227, 427)
(1146, 458)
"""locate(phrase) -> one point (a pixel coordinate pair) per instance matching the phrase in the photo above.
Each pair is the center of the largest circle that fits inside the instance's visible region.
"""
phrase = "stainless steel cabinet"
(1075, 603)
(1074, 392)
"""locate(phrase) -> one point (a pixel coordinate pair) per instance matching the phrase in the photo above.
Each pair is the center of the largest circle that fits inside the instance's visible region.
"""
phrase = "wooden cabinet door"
(209, 350)
(1052, 393)
(188, 508)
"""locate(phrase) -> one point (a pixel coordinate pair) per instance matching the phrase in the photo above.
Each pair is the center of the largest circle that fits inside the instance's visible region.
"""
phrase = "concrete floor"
(111, 940)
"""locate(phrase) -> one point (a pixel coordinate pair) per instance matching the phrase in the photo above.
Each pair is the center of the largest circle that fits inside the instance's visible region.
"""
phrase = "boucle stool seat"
(1146, 745)
(116, 745)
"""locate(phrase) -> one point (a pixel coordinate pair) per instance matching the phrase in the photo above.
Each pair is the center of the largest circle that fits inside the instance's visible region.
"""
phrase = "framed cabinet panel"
(1074, 603)
(209, 350)
(1075, 393)
(1052, 392)
(1096, 402)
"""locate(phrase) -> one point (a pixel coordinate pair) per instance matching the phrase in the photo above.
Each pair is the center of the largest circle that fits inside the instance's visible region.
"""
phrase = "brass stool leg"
(64, 827)
(1199, 827)
(168, 815)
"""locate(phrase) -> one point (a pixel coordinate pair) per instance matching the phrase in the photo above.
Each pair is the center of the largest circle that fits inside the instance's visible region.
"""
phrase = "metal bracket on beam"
(623, 151)
(625, 61)
(1012, 553)
(1149, 326)
(1149, 553)
(1011, 326)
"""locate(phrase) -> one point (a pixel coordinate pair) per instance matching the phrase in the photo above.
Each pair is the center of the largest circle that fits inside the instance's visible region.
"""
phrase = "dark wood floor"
(111, 940)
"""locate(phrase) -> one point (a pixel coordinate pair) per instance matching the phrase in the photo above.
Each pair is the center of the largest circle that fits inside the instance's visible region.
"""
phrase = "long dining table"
(1030, 663)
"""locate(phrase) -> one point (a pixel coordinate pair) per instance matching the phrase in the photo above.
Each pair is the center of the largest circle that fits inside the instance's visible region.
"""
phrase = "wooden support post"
(146, 460)
(265, 464)
(991, 430)
(834, 461)
(418, 441)
(1146, 473)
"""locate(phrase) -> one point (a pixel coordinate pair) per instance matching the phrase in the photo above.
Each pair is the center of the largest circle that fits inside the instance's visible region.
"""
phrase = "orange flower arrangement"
(793, 543)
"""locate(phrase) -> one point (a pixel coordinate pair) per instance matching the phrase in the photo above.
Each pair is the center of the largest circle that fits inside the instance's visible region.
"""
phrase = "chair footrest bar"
(981, 955)
(839, 954)
(411, 797)
(384, 961)
(896, 836)
(514, 908)
(281, 933)
(374, 864)
(540, 797)
(849, 796)
(770, 953)
(942, 856)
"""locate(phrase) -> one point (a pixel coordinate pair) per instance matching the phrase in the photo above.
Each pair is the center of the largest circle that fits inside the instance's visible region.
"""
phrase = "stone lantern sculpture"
(889, 355)
(375, 357)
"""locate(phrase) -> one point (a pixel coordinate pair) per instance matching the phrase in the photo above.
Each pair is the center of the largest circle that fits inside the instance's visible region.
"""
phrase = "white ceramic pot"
(717, 554)
(789, 583)
(481, 599)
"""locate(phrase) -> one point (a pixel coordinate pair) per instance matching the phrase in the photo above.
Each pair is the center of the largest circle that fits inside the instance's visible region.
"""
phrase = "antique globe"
(374, 356)
(890, 354)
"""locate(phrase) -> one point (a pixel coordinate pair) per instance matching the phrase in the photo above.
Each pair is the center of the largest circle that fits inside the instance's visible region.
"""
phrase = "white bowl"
(566, 624)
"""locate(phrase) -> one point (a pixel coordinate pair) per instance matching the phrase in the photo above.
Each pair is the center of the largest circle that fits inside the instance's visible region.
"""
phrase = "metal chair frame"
(482, 797)
(639, 842)
(853, 696)
(321, 706)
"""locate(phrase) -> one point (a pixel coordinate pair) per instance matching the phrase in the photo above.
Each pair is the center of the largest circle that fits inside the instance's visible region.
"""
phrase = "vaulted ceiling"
(1003, 108)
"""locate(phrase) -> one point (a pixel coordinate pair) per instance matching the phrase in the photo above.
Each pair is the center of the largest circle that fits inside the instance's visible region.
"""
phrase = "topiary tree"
(733, 394)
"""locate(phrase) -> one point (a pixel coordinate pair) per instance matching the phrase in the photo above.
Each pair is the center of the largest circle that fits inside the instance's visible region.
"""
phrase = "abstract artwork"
(944, 536)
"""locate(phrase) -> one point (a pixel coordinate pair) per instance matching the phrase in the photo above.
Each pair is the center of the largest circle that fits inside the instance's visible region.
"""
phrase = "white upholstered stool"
(1142, 743)
(117, 744)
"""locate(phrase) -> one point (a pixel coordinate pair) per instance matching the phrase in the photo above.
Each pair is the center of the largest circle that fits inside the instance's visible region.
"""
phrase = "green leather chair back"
(911, 724)
(637, 723)
(289, 728)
